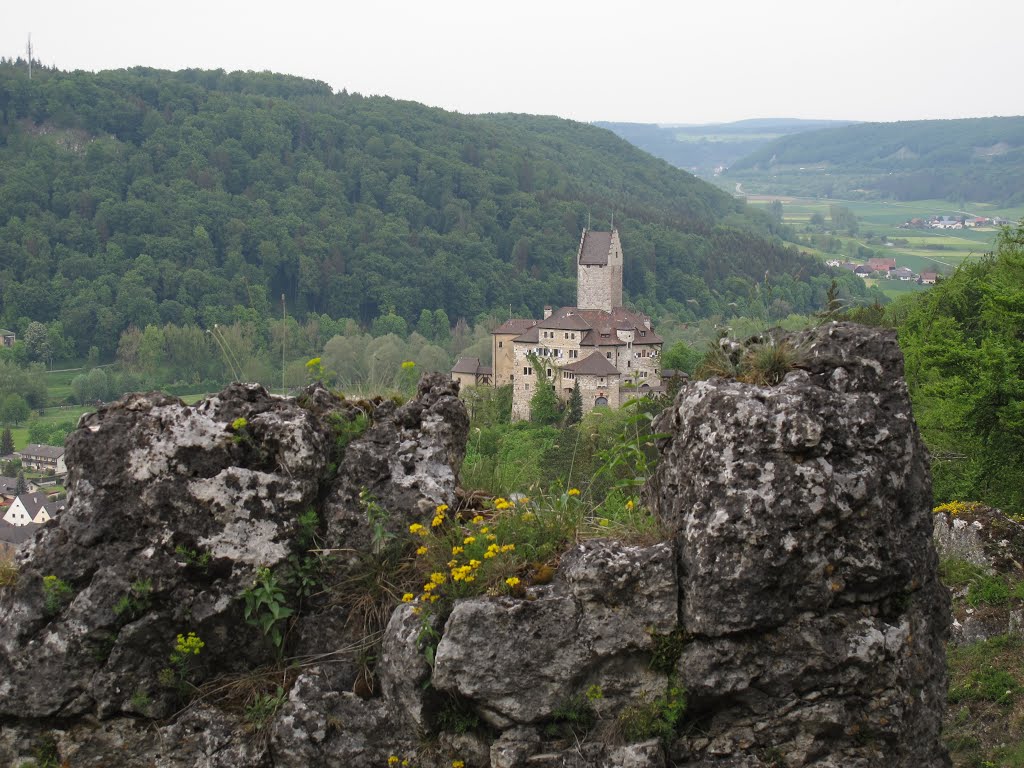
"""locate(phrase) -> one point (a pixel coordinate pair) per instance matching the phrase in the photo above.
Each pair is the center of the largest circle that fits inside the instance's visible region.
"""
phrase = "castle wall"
(503, 355)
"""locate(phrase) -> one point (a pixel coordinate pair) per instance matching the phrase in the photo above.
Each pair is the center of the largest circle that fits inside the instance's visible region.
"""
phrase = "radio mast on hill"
(28, 50)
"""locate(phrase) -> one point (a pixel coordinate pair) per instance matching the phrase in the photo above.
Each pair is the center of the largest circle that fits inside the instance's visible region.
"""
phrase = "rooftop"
(594, 247)
(595, 365)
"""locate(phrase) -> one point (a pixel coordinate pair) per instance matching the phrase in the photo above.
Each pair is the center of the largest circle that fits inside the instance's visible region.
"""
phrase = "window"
(629, 363)
(643, 333)
(608, 355)
(567, 335)
(526, 370)
(526, 387)
(601, 400)
(500, 343)
(549, 371)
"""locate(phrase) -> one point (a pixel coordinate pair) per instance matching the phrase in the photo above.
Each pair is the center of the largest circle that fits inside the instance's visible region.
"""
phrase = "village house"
(610, 351)
(48, 459)
(7, 338)
(881, 265)
(469, 373)
(928, 278)
(31, 508)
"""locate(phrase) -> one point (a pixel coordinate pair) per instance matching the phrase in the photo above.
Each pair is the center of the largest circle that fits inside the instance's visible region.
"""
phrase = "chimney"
(547, 312)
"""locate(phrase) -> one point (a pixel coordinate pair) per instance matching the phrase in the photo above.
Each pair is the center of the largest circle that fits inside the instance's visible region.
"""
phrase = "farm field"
(928, 249)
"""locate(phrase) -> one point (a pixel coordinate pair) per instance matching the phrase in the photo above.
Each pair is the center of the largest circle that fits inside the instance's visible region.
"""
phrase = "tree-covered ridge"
(143, 197)
(964, 348)
(978, 159)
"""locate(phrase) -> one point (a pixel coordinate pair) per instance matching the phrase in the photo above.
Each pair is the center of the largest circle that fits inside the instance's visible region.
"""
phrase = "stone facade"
(599, 271)
(564, 338)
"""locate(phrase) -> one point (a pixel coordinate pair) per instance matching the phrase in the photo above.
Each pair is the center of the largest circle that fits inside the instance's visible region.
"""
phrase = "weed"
(134, 605)
(955, 572)
(659, 717)
(56, 594)
(377, 516)
(766, 364)
(574, 718)
(186, 648)
(265, 607)
(457, 715)
(193, 558)
(347, 429)
(240, 429)
(262, 709)
(8, 572)
(667, 650)
(140, 702)
(308, 521)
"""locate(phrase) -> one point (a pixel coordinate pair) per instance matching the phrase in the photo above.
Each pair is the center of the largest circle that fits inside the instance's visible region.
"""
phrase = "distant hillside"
(138, 197)
(978, 159)
(701, 149)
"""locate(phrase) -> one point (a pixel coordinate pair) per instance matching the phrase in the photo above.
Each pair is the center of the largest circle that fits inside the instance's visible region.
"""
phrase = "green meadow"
(919, 249)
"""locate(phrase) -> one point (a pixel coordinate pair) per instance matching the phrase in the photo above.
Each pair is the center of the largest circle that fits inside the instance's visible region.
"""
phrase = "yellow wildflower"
(437, 578)
(474, 563)
(508, 547)
(441, 509)
(438, 519)
(421, 551)
(512, 581)
(477, 520)
(527, 515)
(457, 550)
(433, 598)
(408, 597)
(408, 365)
(603, 522)
(313, 363)
(629, 504)
(458, 764)
(524, 500)
(488, 555)
(393, 760)
(452, 563)
(491, 537)
(485, 529)
(574, 491)
(429, 586)
(469, 540)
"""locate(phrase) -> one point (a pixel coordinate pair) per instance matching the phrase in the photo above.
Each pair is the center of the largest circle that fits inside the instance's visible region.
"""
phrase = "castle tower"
(599, 271)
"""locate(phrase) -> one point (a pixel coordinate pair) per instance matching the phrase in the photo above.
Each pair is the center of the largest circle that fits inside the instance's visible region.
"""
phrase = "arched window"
(601, 400)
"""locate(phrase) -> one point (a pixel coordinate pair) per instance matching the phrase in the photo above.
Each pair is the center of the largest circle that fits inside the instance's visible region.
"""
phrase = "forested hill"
(977, 159)
(704, 149)
(138, 197)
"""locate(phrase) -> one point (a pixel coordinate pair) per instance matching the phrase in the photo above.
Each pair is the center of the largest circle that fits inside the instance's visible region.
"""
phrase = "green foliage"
(545, 407)
(963, 341)
(193, 558)
(266, 607)
(6, 442)
(572, 719)
(457, 715)
(13, 409)
(309, 522)
(870, 160)
(655, 718)
(681, 357)
(260, 712)
(347, 428)
(667, 650)
(136, 602)
(56, 594)
(201, 197)
(574, 409)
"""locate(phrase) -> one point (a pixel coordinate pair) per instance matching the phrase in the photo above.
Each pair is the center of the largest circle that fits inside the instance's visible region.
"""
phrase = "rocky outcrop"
(983, 552)
(793, 609)
(803, 524)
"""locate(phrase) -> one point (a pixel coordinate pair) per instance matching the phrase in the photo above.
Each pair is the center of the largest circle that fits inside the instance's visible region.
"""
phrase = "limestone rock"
(809, 580)
(519, 660)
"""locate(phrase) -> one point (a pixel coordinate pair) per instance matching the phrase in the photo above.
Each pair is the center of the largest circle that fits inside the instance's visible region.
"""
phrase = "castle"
(610, 351)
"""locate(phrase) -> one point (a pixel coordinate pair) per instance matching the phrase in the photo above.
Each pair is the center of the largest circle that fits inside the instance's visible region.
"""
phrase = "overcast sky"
(685, 61)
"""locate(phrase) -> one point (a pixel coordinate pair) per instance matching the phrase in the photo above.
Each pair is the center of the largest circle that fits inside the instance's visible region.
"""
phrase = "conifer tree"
(574, 413)
(544, 403)
(22, 485)
(6, 442)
